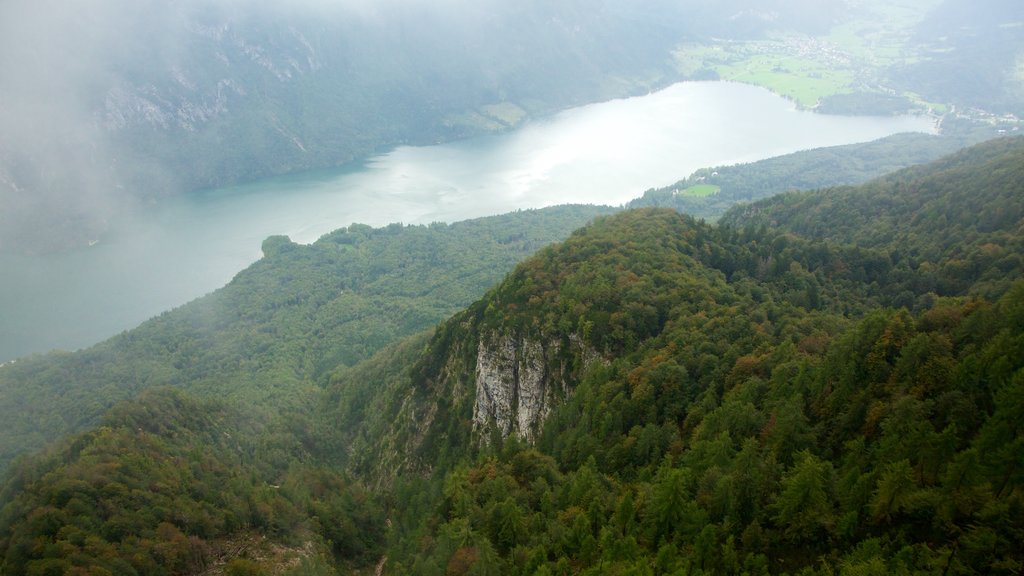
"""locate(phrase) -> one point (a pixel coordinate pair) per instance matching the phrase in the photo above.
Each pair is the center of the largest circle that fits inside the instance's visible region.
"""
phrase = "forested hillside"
(172, 485)
(951, 228)
(267, 340)
(971, 56)
(825, 382)
(710, 192)
(724, 399)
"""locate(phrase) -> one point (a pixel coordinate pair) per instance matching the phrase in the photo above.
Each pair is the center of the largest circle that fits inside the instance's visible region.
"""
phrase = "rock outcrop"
(520, 379)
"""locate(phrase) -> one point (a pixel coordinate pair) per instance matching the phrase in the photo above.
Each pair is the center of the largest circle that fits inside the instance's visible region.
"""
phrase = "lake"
(604, 153)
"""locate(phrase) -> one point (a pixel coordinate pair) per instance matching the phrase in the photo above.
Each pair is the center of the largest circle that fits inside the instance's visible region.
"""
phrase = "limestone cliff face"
(520, 379)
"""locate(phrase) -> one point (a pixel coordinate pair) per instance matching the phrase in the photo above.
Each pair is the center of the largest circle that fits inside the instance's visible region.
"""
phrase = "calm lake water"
(604, 153)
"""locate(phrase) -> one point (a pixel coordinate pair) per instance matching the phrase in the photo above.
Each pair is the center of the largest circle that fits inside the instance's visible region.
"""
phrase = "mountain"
(268, 339)
(970, 56)
(823, 382)
(937, 238)
(167, 485)
(113, 105)
(903, 240)
(710, 192)
(656, 394)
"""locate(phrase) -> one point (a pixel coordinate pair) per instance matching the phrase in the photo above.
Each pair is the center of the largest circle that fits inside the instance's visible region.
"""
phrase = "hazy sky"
(60, 62)
(71, 73)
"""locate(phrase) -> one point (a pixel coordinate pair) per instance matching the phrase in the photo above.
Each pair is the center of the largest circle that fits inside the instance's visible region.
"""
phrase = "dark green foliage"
(164, 487)
(242, 567)
(826, 382)
(270, 337)
(766, 405)
(722, 498)
(810, 169)
(950, 228)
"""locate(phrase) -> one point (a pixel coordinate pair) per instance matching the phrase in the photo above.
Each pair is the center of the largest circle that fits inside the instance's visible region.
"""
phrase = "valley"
(816, 372)
(162, 255)
(573, 288)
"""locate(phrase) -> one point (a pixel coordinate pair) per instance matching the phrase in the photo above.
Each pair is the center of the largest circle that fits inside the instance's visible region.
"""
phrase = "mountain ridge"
(727, 398)
(279, 327)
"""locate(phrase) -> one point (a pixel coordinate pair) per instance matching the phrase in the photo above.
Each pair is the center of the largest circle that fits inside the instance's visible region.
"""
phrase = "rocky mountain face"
(499, 368)
(518, 379)
(504, 366)
(474, 384)
(513, 386)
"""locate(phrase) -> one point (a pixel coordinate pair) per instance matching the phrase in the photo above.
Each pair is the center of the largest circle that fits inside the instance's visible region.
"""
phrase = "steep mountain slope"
(903, 240)
(112, 103)
(721, 399)
(653, 395)
(170, 485)
(268, 338)
(951, 227)
(970, 57)
(710, 192)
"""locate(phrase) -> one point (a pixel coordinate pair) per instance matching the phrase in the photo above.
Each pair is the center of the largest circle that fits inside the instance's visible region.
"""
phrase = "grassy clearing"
(489, 118)
(802, 69)
(801, 80)
(506, 113)
(853, 57)
(932, 107)
(699, 191)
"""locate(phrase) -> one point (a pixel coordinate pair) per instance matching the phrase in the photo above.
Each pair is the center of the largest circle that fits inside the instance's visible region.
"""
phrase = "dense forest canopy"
(824, 382)
(768, 399)
(710, 192)
(270, 337)
(827, 380)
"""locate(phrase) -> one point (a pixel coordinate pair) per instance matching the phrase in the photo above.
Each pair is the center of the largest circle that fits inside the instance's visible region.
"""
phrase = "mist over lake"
(174, 251)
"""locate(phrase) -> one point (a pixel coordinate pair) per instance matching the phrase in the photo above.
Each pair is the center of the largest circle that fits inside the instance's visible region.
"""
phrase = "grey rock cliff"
(519, 380)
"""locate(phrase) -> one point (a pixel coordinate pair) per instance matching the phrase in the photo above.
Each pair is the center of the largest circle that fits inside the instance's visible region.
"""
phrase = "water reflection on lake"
(604, 153)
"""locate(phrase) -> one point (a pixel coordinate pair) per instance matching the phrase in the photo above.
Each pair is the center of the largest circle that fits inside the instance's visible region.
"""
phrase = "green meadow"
(851, 57)
(802, 80)
(784, 67)
(699, 191)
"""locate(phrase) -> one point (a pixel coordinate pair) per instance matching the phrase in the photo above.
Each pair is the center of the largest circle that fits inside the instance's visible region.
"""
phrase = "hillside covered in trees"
(710, 192)
(824, 382)
(751, 397)
(268, 339)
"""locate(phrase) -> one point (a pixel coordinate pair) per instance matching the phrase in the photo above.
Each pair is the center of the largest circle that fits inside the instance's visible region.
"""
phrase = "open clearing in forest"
(699, 190)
